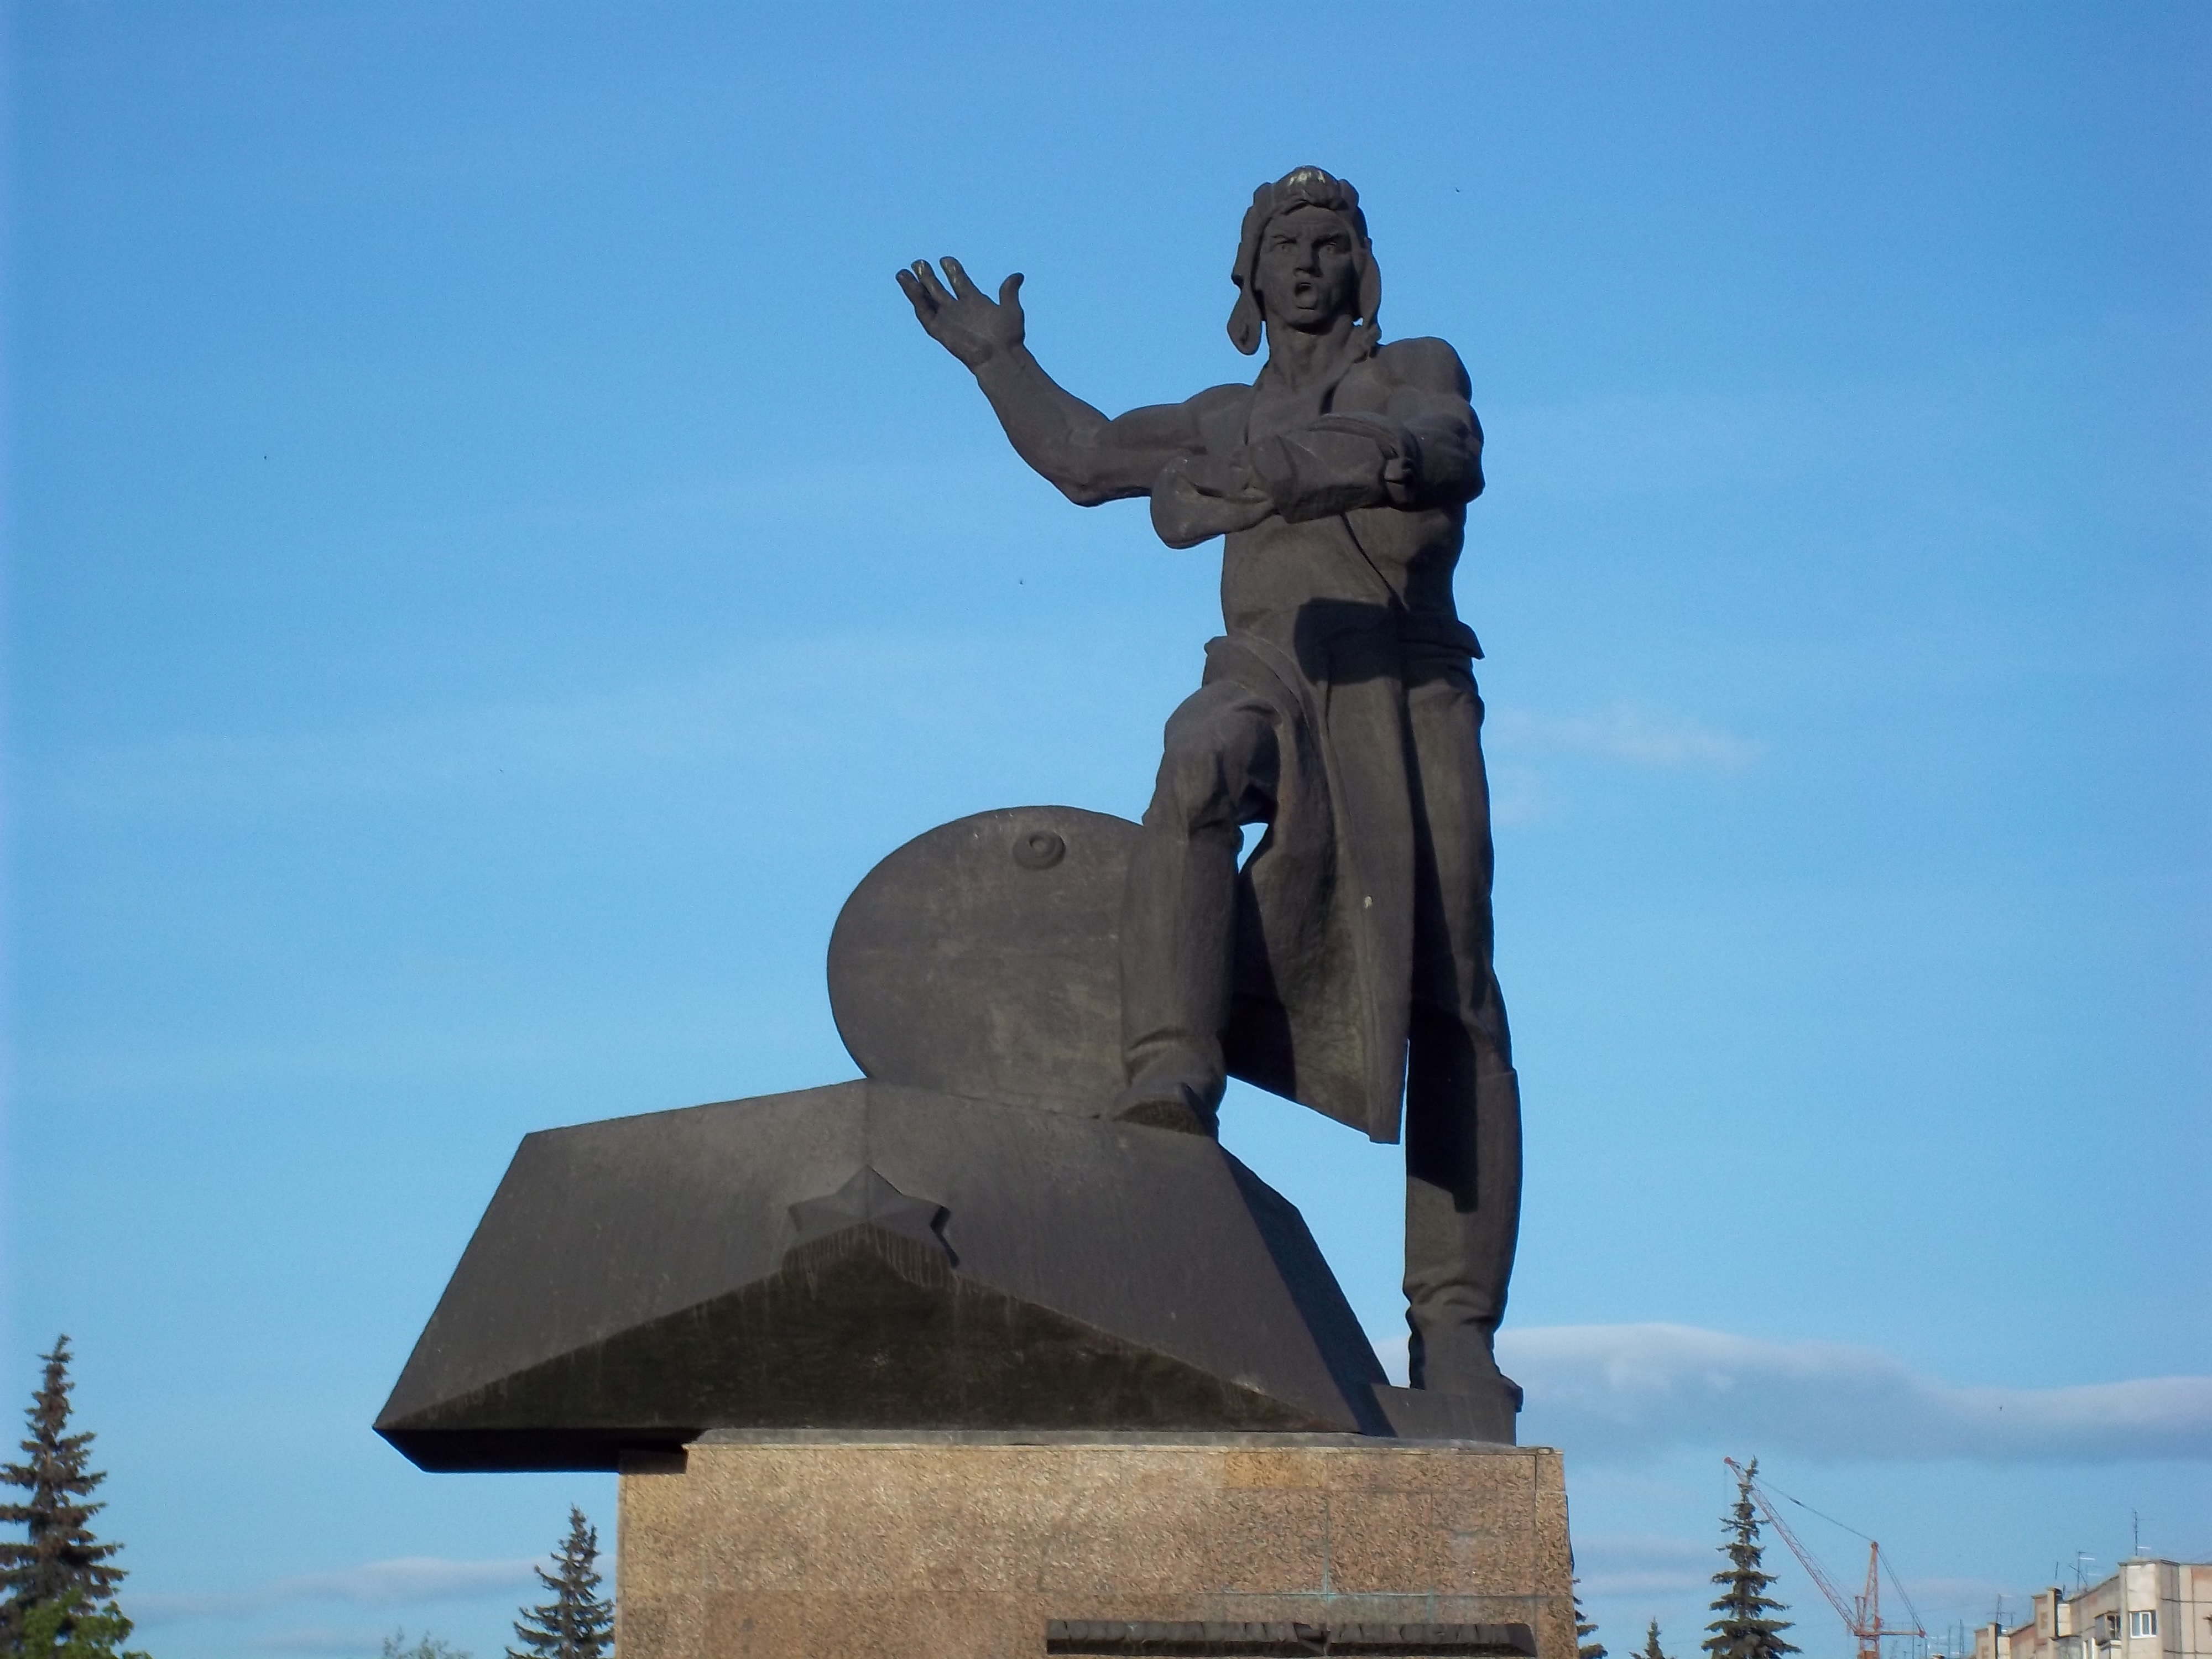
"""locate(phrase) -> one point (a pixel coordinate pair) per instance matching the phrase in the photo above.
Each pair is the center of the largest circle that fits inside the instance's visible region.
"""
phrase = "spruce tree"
(59, 1565)
(577, 1623)
(1651, 1649)
(1743, 1630)
(72, 1628)
(426, 1647)
(1584, 1626)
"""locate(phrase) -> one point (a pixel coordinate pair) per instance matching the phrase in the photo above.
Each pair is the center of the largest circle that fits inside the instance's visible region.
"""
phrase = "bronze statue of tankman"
(1019, 1216)
(1347, 964)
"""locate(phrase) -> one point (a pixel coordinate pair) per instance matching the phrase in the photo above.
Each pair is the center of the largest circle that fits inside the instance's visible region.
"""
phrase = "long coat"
(1319, 632)
(1326, 903)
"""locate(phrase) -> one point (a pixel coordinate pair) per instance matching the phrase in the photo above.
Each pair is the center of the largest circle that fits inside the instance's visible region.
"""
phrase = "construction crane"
(1862, 1614)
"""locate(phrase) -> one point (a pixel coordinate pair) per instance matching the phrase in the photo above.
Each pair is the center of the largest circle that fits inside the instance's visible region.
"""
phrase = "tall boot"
(1462, 1221)
(1178, 939)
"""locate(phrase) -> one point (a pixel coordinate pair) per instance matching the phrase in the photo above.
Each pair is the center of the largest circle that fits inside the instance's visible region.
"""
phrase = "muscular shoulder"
(1216, 400)
(1425, 364)
(1218, 413)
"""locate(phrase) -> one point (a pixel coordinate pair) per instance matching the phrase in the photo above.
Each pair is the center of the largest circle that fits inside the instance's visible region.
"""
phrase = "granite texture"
(802, 1547)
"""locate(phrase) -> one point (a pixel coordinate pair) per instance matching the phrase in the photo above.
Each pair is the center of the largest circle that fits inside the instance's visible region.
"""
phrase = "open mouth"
(1305, 293)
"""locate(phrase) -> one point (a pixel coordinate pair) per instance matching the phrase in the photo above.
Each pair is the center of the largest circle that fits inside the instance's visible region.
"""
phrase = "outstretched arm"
(1090, 458)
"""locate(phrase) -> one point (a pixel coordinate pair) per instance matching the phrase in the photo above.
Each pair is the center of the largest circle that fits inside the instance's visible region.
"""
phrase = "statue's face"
(1308, 272)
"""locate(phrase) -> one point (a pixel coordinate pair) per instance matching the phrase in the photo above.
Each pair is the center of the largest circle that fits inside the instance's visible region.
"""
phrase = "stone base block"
(810, 1545)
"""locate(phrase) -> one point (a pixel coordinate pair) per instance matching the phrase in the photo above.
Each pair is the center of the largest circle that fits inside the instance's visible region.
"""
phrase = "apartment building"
(2148, 1609)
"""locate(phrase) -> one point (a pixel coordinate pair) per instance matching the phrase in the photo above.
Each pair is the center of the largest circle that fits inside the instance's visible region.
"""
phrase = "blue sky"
(492, 562)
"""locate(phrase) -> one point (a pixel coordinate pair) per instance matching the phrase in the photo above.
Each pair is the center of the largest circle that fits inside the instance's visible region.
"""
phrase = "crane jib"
(1862, 1614)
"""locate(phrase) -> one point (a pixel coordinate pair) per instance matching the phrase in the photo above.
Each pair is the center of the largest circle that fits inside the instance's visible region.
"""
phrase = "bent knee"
(1217, 771)
(1194, 791)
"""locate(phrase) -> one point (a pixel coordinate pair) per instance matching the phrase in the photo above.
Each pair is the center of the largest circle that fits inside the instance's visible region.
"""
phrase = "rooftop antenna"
(2136, 1516)
(2080, 1578)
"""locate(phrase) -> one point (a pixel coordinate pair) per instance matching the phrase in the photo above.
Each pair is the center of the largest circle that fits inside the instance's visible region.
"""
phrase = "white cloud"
(1625, 1390)
(778, 707)
(1623, 733)
(755, 709)
(1518, 794)
(797, 700)
(377, 1583)
(1643, 1565)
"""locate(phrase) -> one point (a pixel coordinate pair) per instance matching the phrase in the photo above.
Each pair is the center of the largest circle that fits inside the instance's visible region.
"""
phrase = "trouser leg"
(1462, 1100)
(1179, 908)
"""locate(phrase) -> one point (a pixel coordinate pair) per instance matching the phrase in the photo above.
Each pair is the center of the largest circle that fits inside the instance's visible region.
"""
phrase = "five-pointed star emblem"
(868, 1199)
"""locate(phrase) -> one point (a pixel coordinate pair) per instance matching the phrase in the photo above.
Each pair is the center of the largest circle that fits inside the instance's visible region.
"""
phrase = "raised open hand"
(960, 317)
